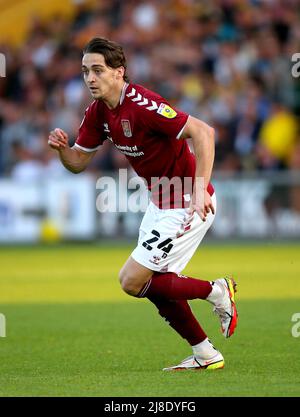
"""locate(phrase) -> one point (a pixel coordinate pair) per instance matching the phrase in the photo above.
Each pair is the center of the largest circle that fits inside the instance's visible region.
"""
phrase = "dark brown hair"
(112, 52)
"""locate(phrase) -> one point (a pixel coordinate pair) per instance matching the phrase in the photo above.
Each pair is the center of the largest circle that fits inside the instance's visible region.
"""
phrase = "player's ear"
(120, 73)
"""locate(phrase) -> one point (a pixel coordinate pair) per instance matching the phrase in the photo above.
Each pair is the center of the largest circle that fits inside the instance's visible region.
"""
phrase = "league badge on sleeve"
(166, 111)
(126, 128)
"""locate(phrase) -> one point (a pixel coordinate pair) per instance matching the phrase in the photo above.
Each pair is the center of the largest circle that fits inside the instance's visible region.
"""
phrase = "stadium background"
(228, 62)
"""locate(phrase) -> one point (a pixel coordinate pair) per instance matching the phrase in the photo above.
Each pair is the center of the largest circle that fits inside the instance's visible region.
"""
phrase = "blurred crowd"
(227, 62)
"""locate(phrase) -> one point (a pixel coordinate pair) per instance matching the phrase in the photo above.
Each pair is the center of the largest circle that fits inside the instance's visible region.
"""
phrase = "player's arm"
(73, 159)
(204, 147)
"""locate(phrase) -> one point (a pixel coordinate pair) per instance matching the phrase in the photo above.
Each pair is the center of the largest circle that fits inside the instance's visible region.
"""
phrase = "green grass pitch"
(70, 331)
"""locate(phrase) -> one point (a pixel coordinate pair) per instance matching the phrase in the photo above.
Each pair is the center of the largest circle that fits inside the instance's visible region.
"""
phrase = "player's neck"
(115, 96)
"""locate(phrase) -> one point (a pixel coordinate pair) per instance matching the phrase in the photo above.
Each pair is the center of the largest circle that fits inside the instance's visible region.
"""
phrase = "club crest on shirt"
(126, 128)
(166, 111)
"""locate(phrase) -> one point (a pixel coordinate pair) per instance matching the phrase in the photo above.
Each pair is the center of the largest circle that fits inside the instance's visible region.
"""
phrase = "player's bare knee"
(130, 287)
(128, 283)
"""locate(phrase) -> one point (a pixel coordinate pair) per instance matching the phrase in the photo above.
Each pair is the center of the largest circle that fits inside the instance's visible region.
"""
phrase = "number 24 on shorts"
(165, 245)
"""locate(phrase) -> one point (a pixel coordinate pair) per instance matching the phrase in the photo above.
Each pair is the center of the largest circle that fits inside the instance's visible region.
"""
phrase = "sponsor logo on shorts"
(155, 260)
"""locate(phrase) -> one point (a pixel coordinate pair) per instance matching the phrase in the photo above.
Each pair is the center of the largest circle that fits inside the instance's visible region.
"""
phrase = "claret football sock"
(180, 317)
(175, 287)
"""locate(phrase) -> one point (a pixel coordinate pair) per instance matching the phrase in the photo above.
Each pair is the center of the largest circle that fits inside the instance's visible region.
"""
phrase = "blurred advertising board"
(47, 210)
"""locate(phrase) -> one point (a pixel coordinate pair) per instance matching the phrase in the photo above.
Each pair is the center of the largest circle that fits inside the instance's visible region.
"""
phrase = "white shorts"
(169, 238)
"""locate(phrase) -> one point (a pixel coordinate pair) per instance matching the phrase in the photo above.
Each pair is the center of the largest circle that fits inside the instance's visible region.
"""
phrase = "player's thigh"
(186, 245)
(133, 272)
(170, 244)
(156, 243)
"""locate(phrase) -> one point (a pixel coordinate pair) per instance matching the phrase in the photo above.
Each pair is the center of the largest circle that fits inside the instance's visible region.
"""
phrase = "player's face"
(100, 79)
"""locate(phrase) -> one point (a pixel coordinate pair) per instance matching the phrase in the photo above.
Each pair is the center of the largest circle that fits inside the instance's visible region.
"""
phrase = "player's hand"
(58, 139)
(202, 204)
